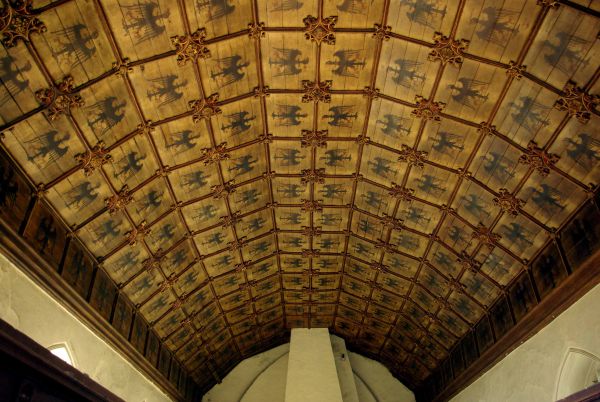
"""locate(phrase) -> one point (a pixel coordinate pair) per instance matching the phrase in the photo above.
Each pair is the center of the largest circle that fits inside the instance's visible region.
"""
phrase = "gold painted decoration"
(382, 32)
(412, 156)
(548, 3)
(576, 102)
(256, 30)
(314, 138)
(469, 263)
(485, 236)
(93, 159)
(137, 233)
(538, 159)
(313, 176)
(205, 108)
(223, 190)
(392, 208)
(60, 99)
(119, 201)
(486, 128)
(214, 155)
(191, 47)
(448, 50)
(400, 192)
(320, 30)
(122, 67)
(390, 222)
(372, 93)
(508, 202)
(316, 91)
(515, 71)
(18, 21)
(428, 109)
(311, 206)
(229, 220)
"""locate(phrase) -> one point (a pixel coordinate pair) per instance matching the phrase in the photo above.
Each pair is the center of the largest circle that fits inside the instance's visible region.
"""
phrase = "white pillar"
(312, 375)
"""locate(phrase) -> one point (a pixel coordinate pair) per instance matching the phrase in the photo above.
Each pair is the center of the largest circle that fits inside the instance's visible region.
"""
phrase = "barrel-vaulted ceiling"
(384, 168)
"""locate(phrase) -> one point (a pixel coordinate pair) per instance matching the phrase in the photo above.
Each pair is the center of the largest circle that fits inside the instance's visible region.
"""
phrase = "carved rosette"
(576, 102)
(464, 174)
(412, 156)
(390, 222)
(18, 22)
(151, 263)
(122, 67)
(265, 138)
(313, 176)
(385, 246)
(229, 220)
(377, 266)
(118, 201)
(308, 253)
(538, 159)
(456, 285)
(372, 93)
(515, 71)
(401, 193)
(311, 206)
(40, 191)
(468, 263)
(508, 203)
(448, 50)
(319, 29)
(138, 233)
(190, 47)
(486, 128)
(485, 236)
(427, 109)
(256, 30)
(311, 231)
(548, 3)
(187, 322)
(168, 284)
(269, 175)
(205, 108)
(93, 159)
(237, 244)
(242, 266)
(382, 32)
(362, 139)
(223, 190)
(163, 171)
(314, 138)
(219, 153)
(316, 91)
(261, 91)
(444, 303)
(60, 99)
(145, 128)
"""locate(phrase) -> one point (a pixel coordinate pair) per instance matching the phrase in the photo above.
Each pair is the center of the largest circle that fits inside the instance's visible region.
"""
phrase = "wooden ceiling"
(384, 168)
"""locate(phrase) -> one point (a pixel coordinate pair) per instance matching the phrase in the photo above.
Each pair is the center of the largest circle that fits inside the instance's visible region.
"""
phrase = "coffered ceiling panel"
(384, 168)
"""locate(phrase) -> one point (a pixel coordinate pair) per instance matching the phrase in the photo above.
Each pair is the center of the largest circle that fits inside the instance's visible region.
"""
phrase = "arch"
(63, 352)
(579, 370)
(367, 387)
(260, 373)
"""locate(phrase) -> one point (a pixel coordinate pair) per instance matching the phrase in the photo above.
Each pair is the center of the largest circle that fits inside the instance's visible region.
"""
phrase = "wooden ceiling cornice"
(237, 168)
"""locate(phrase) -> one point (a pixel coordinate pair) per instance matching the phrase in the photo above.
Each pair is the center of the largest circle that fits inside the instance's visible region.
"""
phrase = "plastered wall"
(376, 382)
(531, 372)
(30, 310)
(263, 374)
